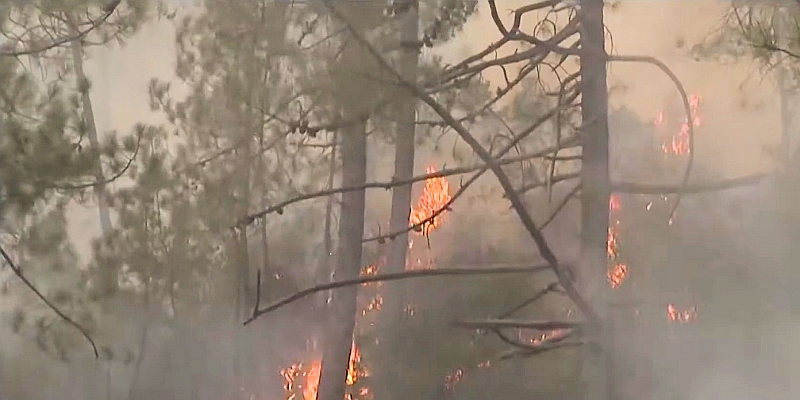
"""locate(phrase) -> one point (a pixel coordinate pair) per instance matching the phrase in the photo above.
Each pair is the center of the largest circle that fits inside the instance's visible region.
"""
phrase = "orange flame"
(309, 375)
(435, 196)
(611, 244)
(679, 143)
(617, 274)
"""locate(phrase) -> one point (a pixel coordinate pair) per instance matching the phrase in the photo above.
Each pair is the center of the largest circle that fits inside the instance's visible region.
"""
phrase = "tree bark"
(328, 264)
(342, 315)
(595, 194)
(405, 136)
(336, 353)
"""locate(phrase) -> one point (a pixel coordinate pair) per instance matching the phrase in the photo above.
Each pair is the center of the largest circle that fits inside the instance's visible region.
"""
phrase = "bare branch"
(565, 278)
(627, 187)
(489, 324)
(552, 181)
(108, 10)
(553, 287)
(686, 107)
(18, 272)
(103, 181)
(400, 182)
(396, 277)
(574, 192)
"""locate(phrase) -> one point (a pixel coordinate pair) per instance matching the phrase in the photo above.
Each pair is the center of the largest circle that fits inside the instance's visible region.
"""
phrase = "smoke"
(725, 241)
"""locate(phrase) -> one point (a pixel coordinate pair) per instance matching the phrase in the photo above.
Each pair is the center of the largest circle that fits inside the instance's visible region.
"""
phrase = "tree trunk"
(787, 189)
(108, 276)
(336, 354)
(405, 135)
(595, 193)
(336, 348)
(328, 264)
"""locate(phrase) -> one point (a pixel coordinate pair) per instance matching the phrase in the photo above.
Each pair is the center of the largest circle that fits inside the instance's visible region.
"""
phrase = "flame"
(611, 243)
(435, 196)
(617, 274)
(685, 316)
(309, 375)
(617, 271)
(679, 143)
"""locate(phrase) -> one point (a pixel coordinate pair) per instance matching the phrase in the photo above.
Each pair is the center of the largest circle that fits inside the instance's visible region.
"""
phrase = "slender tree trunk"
(595, 193)
(336, 353)
(787, 188)
(328, 264)
(353, 147)
(392, 382)
(108, 277)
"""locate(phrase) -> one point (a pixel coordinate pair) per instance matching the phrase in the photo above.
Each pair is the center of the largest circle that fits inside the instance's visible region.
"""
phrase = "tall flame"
(617, 271)
(435, 196)
(679, 143)
(309, 375)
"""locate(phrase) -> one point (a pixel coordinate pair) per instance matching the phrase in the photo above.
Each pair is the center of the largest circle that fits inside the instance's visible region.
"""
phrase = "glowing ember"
(376, 302)
(614, 202)
(676, 315)
(451, 380)
(617, 274)
(374, 305)
(435, 196)
(611, 244)
(555, 334)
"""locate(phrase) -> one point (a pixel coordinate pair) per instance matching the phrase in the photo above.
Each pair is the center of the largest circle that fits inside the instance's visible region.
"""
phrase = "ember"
(684, 316)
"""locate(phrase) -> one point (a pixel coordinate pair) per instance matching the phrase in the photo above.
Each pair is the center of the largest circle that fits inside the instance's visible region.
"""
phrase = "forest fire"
(679, 143)
(617, 271)
(303, 379)
(435, 196)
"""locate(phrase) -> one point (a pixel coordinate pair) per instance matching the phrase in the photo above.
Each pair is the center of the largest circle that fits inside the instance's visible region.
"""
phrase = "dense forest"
(327, 200)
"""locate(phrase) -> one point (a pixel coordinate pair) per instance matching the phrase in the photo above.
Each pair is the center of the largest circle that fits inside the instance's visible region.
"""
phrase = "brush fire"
(301, 379)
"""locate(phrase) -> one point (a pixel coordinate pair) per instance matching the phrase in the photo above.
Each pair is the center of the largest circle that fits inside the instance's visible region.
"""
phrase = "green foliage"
(768, 34)
(46, 162)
